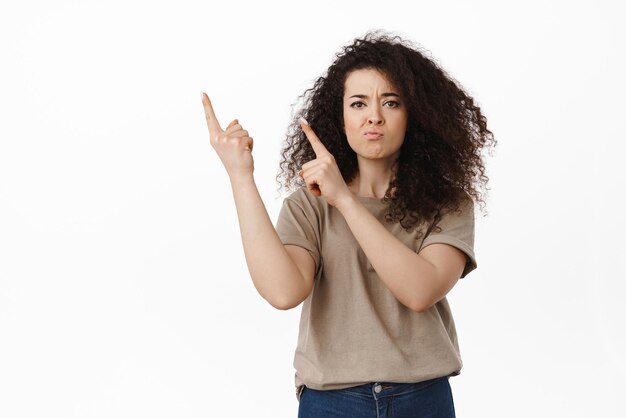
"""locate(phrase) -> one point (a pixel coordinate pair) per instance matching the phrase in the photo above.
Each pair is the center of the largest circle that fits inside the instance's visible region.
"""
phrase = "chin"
(373, 152)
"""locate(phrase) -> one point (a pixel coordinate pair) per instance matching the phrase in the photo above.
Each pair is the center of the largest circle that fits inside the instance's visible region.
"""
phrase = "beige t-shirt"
(353, 330)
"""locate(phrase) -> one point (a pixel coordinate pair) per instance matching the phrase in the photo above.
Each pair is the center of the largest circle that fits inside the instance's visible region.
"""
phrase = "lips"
(373, 134)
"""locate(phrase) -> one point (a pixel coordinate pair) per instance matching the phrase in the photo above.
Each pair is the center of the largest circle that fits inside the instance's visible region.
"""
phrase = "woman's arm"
(282, 274)
(282, 281)
(418, 281)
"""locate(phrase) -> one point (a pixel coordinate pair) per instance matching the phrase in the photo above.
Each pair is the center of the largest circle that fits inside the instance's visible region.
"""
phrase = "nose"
(375, 117)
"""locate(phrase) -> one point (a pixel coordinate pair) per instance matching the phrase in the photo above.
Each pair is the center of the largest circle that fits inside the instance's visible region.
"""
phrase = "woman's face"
(374, 115)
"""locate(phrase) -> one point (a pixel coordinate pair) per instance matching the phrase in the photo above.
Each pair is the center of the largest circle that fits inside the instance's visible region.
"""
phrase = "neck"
(373, 178)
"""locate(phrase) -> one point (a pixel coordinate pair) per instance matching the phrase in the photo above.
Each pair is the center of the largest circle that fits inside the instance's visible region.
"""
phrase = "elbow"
(284, 305)
(281, 306)
(288, 298)
(420, 305)
(422, 309)
(418, 308)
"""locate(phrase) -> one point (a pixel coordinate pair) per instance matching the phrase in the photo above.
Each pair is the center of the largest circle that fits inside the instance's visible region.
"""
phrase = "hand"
(322, 175)
(233, 145)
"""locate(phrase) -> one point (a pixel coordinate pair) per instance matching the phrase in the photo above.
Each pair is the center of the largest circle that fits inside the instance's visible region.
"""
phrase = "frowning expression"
(374, 115)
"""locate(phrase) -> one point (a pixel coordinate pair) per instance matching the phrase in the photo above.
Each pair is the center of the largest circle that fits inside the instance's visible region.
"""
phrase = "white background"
(123, 287)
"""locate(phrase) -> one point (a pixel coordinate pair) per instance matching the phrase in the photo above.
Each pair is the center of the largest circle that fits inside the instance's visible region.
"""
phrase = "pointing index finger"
(316, 143)
(211, 119)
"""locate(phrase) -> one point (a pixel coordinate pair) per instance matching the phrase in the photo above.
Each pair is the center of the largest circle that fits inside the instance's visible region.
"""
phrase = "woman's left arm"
(418, 281)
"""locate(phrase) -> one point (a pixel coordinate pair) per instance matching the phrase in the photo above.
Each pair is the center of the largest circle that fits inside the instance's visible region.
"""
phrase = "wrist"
(241, 179)
(346, 202)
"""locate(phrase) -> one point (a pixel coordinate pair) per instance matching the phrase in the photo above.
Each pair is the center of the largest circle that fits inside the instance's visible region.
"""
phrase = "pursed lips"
(373, 134)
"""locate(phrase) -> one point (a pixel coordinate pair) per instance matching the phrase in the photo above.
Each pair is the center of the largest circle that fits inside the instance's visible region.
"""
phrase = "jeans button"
(378, 388)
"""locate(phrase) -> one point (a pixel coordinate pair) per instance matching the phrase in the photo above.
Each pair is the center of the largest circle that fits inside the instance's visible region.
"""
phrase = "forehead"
(367, 80)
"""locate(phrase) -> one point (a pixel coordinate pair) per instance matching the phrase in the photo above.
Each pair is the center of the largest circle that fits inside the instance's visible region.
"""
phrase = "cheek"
(351, 123)
(400, 124)
(349, 127)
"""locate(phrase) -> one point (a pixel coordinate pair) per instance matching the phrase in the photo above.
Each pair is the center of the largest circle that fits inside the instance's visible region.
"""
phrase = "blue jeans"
(427, 399)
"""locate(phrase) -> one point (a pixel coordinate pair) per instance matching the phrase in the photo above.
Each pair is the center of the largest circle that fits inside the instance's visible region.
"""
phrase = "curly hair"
(440, 163)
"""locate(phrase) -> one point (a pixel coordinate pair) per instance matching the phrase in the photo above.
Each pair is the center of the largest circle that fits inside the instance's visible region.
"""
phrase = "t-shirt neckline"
(370, 199)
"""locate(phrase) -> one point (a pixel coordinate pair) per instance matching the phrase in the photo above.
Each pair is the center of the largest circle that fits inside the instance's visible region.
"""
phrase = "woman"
(387, 153)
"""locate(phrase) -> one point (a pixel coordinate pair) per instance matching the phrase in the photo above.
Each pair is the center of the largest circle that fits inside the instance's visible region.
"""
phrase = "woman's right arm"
(282, 274)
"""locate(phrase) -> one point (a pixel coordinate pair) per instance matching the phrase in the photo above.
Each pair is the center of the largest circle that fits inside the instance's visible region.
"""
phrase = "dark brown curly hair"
(440, 163)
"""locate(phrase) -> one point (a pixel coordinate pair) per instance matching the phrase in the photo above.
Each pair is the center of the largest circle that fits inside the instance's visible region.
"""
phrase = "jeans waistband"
(382, 389)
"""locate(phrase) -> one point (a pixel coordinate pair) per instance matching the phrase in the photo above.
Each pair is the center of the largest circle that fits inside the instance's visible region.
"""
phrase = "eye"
(391, 103)
(357, 105)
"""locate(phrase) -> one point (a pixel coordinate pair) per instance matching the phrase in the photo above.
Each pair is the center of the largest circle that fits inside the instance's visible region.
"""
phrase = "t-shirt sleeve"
(297, 225)
(457, 229)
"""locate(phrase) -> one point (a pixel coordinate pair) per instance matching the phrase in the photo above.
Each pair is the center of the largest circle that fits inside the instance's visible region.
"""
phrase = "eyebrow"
(363, 96)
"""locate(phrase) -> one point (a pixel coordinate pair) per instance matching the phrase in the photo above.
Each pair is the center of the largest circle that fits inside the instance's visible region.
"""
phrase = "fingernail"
(303, 121)
(201, 95)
